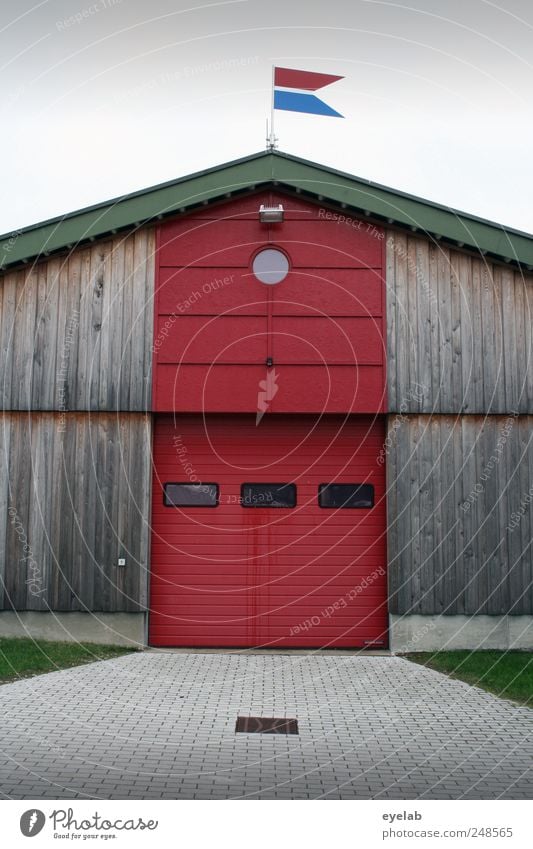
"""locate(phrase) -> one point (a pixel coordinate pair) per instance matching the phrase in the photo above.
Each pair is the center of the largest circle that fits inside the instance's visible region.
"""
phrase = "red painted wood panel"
(295, 340)
(348, 292)
(306, 340)
(232, 243)
(210, 244)
(226, 339)
(328, 244)
(236, 388)
(193, 291)
(225, 388)
(231, 576)
(334, 389)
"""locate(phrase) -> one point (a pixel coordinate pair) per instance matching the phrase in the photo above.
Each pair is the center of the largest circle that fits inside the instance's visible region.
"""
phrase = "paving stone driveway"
(162, 725)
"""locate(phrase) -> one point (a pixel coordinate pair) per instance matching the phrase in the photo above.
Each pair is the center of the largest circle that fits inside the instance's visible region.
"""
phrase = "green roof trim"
(324, 183)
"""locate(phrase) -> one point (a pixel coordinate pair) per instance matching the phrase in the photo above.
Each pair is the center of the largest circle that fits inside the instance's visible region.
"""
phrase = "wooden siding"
(76, 332)
(74, 495)
(459, 331)
(460, 514)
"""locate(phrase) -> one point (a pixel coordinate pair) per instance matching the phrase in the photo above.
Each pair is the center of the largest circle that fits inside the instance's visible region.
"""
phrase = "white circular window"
(270, 266)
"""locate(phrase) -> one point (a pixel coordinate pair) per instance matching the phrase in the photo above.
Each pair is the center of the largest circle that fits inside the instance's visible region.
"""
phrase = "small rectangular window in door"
(191, 494)
(346, 495)
(268, 495)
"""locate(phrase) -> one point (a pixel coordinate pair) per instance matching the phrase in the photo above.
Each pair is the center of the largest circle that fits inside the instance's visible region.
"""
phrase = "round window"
(270, 266)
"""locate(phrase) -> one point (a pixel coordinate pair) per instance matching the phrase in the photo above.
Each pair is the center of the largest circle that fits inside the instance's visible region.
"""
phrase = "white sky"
(437, 96)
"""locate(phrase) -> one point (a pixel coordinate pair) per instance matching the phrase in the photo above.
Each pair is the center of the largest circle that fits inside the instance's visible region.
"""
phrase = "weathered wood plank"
(105, 387)
(402, 338)
(410, 516)
(510, 498)
(449, 511)
(54, 507)
(412, 323)
(424, 588)
(5, 517)
(437, 564)
(510, 359)
(25, 339)
(148, 290)
(66, 599)
(444, 401)
(528, 340)
(478, 590)
(432, 391)
(391, 310)
(144, 457)
(82, 376)
(59, 396)
(473, 379)
(73, 361)
(520, 305)
(492, 535)
(422, 343)
(127, 335)
(77, 488)
(98, 263)
(464, 318)
(118, 323)
(521, 570)
(495, 336)
(107, 484)
(38, 566)
(48, 387)
(526, 604)
(456, 394)
(18, 543)
(38, 366)
(138, 295)
(9, 307)
(399, 514)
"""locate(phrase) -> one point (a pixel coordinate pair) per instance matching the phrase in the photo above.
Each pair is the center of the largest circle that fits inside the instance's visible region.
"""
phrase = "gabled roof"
(318, 182)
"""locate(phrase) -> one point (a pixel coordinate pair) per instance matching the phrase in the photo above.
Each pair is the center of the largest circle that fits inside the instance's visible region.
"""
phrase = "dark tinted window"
(191, 494)
(348, 495)
(268, 495)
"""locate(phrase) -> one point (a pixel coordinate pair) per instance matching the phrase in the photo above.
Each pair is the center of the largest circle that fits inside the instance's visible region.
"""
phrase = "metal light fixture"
(271, 214)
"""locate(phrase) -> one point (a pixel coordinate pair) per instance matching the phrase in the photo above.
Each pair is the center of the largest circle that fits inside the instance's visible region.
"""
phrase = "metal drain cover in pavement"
(264, 725)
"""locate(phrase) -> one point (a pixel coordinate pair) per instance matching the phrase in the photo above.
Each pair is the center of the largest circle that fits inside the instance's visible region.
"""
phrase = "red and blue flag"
(292, 91)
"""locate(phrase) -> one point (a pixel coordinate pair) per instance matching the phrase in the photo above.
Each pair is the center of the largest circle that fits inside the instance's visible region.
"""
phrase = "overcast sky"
(103, 98)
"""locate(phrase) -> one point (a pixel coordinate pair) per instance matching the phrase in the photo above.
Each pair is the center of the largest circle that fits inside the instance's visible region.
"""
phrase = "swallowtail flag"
(292, 91)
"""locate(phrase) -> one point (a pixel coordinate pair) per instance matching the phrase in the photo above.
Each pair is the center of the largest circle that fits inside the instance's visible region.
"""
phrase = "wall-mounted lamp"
(271, 214)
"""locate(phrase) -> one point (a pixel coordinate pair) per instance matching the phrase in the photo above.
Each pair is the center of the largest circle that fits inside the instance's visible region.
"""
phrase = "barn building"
(269, 404)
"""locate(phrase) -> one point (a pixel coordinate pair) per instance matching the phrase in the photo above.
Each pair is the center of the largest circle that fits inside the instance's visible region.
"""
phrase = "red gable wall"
(216, 324)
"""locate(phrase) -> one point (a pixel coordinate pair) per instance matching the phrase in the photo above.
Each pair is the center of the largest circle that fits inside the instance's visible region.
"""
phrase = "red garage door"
(268, 535)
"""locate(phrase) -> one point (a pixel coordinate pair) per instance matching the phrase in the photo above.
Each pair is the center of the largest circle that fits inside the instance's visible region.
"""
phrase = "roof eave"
(330, 186)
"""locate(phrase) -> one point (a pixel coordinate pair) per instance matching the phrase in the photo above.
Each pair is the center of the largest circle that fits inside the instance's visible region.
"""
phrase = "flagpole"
(272, 139)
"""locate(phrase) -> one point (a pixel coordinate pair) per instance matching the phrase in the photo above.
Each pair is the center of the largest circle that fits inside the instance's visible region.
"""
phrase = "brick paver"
(162, 725)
